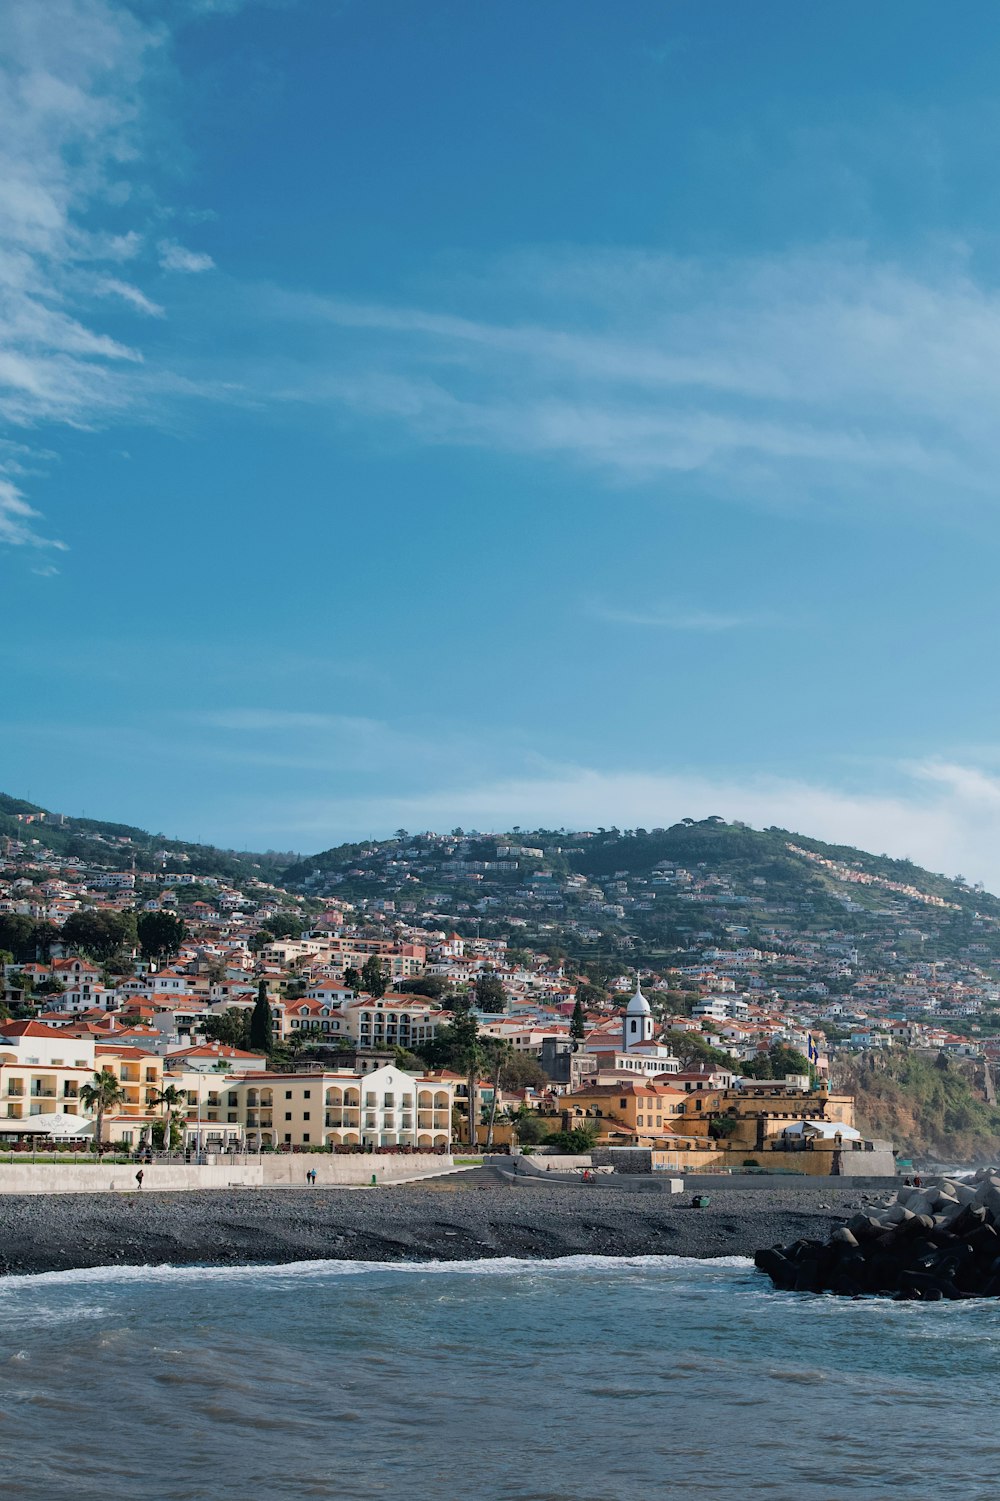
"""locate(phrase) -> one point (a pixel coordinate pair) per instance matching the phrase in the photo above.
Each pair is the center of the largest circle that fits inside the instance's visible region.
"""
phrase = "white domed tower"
(638, 1024)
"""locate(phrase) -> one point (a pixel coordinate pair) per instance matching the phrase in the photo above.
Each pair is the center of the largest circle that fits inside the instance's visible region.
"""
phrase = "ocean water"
(580, 1380)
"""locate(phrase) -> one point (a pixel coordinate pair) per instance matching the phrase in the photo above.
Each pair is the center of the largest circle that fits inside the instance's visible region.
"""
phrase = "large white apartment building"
(383, 1108)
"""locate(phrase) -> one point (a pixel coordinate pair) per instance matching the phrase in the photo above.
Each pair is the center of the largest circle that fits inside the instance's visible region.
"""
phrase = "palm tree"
(168, 1098)
(101, 1094)
(502, 1053)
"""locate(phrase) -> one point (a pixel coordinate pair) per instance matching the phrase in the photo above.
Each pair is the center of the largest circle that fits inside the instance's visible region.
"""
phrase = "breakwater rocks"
(930, 1243)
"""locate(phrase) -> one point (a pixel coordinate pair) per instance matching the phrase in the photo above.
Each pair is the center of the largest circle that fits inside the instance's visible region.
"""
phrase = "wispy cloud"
(785, 380)
(77, 204)
(174, 257)
(209, 8)
(676, 620)
(112, 287)
(69, 111)
(17, 520)
(281, 721)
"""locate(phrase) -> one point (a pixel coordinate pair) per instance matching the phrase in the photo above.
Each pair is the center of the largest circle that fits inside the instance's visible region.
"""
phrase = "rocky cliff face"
(929, 1106)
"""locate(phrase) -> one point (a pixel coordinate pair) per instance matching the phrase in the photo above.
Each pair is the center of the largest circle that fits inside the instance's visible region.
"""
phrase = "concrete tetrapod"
(938, 1241)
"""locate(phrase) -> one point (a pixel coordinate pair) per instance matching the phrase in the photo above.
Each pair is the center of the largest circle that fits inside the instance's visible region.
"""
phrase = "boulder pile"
(938, 1241)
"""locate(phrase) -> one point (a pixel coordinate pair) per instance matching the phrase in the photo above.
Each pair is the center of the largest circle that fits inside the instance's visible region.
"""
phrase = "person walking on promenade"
(139, 1177)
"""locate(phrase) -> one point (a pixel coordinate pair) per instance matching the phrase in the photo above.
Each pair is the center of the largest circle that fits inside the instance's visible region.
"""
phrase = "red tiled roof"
(31, 1029)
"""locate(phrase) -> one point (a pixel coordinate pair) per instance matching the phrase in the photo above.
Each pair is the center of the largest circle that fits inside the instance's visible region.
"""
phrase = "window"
(288, 1094)
(305, 1136)
(305, 1115)
(288, 1138)
(288, 1115)
(623, 1104)
(307, 1093)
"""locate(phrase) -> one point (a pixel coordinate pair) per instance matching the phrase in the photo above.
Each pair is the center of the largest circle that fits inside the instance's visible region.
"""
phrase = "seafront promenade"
(245, 1171)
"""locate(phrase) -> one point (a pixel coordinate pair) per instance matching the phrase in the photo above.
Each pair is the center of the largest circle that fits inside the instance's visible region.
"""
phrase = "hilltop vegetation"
(652, 890)
(118, 845)
(653, 893)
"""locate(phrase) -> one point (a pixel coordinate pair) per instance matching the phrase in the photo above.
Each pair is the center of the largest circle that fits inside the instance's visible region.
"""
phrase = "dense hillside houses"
(730, 954)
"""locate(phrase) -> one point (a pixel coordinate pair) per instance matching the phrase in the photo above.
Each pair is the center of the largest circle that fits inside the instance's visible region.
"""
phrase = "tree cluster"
(489, 994)
(693, 1051)
(160, 934)
(25, 938)
(102, 935)
(776, 1063)
(373, 977)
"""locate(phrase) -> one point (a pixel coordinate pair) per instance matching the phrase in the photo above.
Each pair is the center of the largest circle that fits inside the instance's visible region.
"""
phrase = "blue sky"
(502, 414)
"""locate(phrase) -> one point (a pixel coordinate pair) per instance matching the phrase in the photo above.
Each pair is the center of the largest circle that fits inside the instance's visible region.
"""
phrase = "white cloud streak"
(73, 80)
(709, 621)
(69, 108)
(174, 257)
(283, 721)
(781, 380)
(112, 287)
(17, 518)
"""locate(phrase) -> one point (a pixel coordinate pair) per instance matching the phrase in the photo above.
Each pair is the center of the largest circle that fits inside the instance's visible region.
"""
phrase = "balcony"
(42, 1094)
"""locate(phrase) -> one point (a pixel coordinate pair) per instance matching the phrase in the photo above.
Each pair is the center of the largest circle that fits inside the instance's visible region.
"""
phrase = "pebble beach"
(450, 1220)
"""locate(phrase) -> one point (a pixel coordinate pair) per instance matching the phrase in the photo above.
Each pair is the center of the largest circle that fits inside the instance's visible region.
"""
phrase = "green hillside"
(117, 845)
(674, 885)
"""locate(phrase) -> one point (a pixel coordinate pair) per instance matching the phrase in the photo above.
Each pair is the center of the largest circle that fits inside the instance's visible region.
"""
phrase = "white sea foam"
(13, 1307)
(499, 1266)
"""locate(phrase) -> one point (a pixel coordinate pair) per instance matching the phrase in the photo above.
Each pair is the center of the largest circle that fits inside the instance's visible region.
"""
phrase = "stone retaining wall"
(285, 1171)
(769, 1182)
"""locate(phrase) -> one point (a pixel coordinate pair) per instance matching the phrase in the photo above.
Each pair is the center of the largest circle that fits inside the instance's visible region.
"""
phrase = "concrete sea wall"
(259, 1172)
